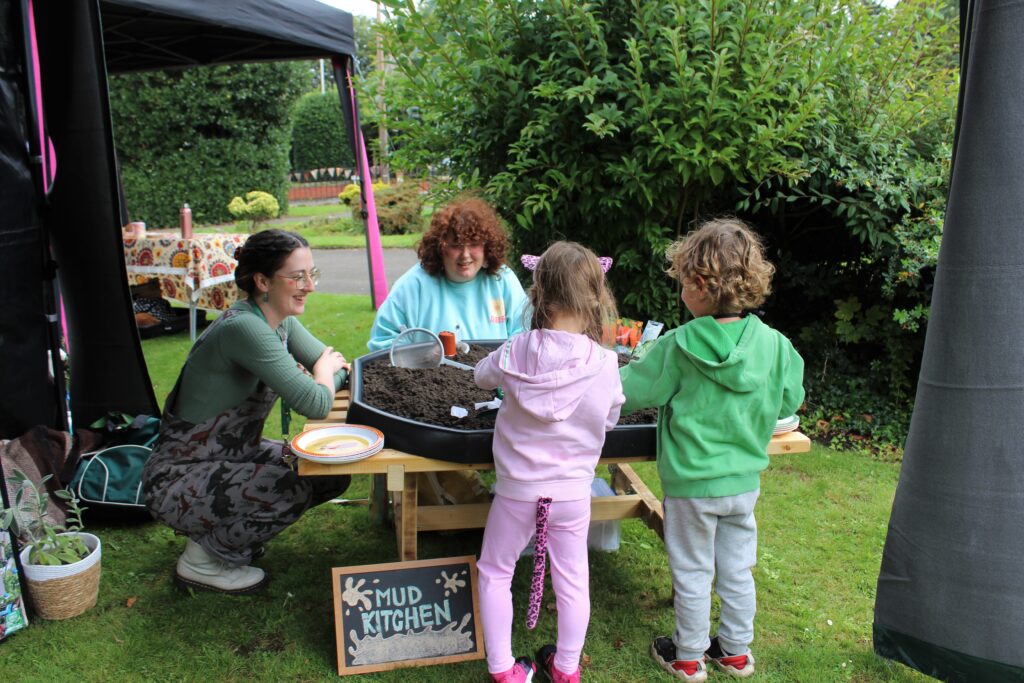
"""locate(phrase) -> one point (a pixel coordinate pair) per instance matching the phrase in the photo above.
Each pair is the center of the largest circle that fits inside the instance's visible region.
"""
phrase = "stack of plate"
(786, 424)
(336, 444)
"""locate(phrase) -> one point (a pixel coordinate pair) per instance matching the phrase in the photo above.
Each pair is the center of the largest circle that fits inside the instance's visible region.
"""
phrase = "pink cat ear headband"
(530, 262)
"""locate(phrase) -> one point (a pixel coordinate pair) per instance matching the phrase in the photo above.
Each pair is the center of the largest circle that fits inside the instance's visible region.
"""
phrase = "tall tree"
(826, 123)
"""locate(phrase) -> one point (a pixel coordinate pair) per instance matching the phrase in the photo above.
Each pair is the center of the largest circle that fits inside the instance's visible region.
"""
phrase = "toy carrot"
(608, 333)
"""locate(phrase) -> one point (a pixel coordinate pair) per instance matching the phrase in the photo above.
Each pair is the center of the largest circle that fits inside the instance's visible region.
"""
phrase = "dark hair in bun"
(264, 252)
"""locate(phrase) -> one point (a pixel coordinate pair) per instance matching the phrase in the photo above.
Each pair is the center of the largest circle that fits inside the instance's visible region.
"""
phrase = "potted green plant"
(61, 562)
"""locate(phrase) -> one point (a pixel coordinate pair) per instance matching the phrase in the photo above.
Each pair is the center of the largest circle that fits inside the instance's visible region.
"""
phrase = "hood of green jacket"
(742, 365)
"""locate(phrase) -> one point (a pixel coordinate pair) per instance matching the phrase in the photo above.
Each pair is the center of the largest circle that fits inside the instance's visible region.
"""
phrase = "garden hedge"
(202, 136)
(319, 139)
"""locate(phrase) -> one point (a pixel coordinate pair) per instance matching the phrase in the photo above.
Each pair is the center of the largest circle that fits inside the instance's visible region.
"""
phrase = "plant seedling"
(27, 519)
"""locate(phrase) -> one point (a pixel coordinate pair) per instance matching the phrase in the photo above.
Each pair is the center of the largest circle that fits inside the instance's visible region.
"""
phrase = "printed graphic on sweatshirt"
(497, 310)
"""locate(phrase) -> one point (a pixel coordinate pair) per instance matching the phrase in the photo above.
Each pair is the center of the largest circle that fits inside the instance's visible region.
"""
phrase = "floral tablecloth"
(199, 271)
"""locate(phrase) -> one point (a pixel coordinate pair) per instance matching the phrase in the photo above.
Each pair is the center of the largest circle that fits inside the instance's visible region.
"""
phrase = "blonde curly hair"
(727, 255)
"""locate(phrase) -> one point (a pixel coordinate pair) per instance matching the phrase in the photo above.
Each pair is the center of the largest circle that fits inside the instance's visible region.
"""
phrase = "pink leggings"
(509, 527)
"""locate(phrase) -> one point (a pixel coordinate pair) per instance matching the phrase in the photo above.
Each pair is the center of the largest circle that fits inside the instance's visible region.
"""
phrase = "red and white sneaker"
(740, 666)
(664, 652)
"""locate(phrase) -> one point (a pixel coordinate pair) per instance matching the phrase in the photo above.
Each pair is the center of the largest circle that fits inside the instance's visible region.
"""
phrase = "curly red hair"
(465, 222)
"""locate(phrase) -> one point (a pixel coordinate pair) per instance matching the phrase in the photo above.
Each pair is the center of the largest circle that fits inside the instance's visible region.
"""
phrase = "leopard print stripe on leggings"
(540, 554)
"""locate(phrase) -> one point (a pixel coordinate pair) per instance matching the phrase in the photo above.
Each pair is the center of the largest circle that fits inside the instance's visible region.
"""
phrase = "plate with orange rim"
(335, 444)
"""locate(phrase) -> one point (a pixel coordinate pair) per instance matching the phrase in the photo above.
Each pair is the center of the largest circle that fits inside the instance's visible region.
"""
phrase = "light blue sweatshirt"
(486, 307)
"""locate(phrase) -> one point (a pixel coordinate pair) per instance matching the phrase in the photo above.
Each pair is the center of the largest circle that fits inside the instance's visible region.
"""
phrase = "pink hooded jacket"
(562, 393)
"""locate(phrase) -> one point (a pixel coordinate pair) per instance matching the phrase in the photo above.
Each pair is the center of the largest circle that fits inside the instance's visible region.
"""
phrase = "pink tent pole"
(373, 243)
(378, 278)
(47, 151)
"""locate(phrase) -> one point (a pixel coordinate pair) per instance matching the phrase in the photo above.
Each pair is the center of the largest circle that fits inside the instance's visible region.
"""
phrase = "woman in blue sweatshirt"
(460, 282)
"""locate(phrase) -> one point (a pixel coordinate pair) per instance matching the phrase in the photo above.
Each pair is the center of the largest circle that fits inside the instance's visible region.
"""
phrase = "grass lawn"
(317, 210)
(822, 519)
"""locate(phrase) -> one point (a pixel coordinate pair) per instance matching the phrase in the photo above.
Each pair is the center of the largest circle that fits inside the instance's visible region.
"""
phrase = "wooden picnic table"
(394, 472)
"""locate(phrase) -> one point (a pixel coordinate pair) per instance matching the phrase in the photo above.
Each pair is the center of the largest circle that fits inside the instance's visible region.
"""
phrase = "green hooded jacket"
(720, 388)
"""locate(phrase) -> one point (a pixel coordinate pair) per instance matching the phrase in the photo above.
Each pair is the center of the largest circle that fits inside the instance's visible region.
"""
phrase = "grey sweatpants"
(712, 538)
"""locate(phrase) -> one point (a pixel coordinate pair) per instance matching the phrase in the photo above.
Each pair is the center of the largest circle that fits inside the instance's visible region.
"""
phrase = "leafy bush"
(399, 208)
(319, 139)
(351, 195)
(199, 135)
(621, 124)
(256, 207)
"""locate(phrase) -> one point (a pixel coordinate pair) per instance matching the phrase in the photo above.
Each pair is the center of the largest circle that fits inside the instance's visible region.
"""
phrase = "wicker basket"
(65, 591)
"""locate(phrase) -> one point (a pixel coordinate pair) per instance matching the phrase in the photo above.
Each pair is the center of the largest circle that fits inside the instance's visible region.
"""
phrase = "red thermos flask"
(186, 221)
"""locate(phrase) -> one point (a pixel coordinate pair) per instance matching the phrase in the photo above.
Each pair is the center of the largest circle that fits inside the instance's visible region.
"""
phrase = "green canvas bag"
(110, 479)
(122, 428)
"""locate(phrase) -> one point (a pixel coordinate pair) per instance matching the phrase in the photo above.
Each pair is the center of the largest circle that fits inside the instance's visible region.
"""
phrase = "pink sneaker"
(521, 672)
(546, 657)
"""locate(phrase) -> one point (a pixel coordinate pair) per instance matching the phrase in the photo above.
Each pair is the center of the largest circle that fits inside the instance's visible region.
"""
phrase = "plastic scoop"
(419, 348)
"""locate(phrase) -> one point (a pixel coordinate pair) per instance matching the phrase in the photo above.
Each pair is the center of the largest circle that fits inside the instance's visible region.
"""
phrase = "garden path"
(345, 271)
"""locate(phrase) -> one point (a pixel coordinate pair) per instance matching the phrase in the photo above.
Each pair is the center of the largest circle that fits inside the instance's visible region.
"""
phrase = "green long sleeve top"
(230, 360)
(720, 388)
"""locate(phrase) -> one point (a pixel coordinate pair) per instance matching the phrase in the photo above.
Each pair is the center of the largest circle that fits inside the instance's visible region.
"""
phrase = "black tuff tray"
(465, 445)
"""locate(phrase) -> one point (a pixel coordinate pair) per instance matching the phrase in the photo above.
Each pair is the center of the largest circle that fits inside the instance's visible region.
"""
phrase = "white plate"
(336, 444)
(786, 424)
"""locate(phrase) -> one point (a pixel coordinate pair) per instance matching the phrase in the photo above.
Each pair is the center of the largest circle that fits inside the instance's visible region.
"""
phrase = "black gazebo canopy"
(141, 35)
(66, 229)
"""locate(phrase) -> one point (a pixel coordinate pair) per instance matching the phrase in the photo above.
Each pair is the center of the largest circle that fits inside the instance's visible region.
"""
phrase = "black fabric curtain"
(27, 396)
(108, 370)
(950, 600)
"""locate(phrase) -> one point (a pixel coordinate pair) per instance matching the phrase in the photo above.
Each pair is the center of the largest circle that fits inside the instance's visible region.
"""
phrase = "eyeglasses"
(458, 247)
(300, 279)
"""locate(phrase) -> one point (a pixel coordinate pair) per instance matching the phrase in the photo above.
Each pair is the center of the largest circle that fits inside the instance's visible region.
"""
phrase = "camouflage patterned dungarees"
(224, 486)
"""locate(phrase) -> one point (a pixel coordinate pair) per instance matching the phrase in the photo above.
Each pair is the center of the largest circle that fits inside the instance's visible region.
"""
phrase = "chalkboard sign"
(402, 614)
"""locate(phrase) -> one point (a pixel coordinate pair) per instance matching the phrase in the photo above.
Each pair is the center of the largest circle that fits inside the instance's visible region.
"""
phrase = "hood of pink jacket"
(562, 394)
(549, 372)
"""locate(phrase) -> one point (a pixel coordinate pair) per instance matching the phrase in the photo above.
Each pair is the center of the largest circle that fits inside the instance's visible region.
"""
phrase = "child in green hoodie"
(721, 381)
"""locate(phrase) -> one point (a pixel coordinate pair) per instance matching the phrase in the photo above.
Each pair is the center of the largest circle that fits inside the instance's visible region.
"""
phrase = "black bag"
(176, 322)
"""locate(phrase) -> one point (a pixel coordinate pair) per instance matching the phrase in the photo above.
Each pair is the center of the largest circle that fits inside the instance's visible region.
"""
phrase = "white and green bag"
(13, 616)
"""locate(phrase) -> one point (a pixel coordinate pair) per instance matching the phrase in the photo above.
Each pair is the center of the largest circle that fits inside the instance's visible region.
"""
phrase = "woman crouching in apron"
(212, 476)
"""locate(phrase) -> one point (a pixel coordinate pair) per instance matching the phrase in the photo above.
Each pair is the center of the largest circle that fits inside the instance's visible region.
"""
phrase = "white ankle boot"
(199, 569)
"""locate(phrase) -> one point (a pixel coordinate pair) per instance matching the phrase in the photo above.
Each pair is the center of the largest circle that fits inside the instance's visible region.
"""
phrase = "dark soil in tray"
(428, 395)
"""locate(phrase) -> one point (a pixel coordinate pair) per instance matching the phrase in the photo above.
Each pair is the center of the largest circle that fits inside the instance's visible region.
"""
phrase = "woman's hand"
(327, 365)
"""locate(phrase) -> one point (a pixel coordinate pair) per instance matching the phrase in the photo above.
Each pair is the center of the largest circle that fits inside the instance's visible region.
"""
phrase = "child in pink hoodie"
(562, 393)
